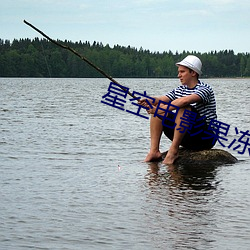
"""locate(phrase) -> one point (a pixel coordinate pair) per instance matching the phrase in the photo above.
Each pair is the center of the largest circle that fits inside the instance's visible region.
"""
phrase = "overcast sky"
(157, 25)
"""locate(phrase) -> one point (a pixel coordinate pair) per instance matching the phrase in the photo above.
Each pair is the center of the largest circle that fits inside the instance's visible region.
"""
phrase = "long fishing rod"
(81, 56)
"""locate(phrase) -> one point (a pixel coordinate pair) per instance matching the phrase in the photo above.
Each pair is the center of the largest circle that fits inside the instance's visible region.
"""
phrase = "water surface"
(72, 175)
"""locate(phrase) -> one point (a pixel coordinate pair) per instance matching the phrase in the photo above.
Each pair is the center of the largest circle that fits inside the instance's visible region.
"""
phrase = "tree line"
(41, 58)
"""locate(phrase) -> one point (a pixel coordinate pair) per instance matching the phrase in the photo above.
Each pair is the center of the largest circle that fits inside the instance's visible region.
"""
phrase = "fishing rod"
(81, 56)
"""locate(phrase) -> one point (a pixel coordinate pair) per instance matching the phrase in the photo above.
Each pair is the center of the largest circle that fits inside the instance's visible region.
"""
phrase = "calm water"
(72, 175)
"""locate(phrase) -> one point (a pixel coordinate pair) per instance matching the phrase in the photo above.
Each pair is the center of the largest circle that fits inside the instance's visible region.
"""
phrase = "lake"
(72, 173)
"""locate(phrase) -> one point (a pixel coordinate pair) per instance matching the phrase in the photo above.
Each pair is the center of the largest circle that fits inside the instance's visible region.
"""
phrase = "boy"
(192, 99)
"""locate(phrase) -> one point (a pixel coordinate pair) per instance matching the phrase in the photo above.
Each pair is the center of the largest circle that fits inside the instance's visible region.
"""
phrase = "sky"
(155, 25)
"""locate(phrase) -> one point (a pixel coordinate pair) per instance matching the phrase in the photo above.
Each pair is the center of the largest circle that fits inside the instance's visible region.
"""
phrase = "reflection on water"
(190, 204)
(189, 177)
(184, 194)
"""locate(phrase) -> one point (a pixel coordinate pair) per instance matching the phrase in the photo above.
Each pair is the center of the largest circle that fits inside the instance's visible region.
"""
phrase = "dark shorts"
(193, 138)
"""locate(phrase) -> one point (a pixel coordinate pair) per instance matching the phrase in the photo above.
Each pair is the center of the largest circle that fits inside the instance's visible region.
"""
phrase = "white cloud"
(149, 2)
(84, 6)
(221, 2)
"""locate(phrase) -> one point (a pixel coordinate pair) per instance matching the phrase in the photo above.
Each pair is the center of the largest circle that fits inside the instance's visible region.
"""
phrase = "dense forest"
(41, 58)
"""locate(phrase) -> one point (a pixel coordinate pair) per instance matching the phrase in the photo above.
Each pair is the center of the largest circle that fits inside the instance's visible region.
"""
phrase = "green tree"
(247, 69)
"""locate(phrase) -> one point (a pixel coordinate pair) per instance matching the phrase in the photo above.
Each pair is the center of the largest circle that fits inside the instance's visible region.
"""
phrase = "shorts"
(195, 138)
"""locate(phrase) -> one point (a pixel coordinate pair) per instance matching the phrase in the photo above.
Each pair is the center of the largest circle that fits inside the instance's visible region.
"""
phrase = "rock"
(204, 157)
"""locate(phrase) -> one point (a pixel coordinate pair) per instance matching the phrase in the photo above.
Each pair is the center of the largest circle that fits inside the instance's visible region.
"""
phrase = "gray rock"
(204, 157)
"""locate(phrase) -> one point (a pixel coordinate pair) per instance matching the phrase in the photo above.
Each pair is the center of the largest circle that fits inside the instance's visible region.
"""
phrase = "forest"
(41, 58)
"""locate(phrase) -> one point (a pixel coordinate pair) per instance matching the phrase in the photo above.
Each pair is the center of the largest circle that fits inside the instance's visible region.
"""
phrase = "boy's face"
(185, 75)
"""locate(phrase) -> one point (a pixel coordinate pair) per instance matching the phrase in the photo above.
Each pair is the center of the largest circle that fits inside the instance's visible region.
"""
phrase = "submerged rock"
(204, 157)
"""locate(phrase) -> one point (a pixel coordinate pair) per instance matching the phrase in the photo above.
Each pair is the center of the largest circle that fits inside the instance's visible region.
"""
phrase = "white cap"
(191, 62)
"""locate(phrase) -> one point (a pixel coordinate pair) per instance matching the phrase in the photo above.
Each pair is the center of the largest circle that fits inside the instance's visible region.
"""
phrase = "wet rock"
(204, 157)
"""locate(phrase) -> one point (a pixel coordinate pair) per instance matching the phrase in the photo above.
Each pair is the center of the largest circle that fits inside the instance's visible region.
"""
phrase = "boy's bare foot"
(171, 156)
(153, 156)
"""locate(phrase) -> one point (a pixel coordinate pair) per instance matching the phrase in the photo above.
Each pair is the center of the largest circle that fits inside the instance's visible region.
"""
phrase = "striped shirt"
(207, 107)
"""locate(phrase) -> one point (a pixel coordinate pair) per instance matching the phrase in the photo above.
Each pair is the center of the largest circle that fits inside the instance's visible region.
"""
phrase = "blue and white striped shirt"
(207, 107)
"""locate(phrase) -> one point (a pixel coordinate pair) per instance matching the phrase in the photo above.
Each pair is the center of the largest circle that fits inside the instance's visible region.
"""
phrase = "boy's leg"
(173, 151)
(156, 129)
